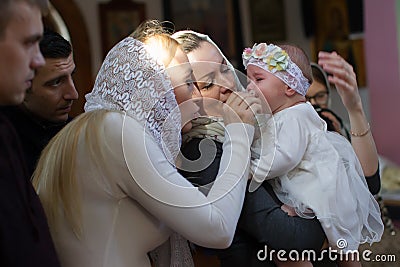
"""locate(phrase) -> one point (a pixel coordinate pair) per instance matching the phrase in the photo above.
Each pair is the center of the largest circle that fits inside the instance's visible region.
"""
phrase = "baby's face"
(265, 84)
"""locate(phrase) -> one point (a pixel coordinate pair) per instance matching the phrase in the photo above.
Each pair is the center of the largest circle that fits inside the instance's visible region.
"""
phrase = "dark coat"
(24, 234)
(33, 135)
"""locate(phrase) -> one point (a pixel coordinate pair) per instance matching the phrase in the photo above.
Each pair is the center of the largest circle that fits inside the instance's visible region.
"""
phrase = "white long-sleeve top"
(136, 198)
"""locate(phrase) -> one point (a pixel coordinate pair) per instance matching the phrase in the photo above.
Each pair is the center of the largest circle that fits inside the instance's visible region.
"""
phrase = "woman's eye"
(208, 85)
(189, 83)
(225, 69)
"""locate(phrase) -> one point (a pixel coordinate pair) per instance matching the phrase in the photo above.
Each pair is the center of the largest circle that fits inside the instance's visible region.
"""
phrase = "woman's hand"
(289, 210)
(335, 122)
(342, 74)
(241, 107)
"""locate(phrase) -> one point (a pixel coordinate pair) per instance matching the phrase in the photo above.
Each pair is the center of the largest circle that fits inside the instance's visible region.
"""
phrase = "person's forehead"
(55, 67)
(205, 52)
(255, 70)
(58, 64)
(179, 73)
(23, 11)
(180, 60)
(24, 24)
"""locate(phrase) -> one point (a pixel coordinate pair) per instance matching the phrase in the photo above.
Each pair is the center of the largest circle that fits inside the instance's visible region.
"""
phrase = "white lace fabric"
(132, 81)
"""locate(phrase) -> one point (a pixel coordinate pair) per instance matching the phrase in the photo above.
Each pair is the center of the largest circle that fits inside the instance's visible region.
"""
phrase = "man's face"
(53, 90)
(19, 52)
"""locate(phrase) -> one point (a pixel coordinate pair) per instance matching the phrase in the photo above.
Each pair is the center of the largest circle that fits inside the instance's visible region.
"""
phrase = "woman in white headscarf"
(108, 182)
(262, 220)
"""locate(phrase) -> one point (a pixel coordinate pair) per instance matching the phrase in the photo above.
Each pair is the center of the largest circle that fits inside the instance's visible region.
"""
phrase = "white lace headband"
(275, 60)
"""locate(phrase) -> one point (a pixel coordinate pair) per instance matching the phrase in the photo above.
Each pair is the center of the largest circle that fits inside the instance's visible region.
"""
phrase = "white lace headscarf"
(132, 81)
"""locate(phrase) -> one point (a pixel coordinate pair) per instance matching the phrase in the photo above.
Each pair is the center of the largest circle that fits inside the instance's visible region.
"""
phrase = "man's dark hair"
(7, 10)
(53, 45)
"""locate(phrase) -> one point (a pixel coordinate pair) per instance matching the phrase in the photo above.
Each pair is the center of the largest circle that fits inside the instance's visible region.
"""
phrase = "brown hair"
(189, 41)
(7, 10)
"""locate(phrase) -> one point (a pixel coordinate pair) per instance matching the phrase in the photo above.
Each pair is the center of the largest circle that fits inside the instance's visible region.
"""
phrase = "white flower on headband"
(247, 54)
(275, 60)
(260, 50)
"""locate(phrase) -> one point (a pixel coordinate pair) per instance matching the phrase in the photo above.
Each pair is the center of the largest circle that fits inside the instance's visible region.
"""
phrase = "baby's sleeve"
(279, 151)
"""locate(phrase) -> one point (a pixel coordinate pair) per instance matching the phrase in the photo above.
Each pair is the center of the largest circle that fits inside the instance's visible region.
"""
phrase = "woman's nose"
(196, 93)
(223, 89)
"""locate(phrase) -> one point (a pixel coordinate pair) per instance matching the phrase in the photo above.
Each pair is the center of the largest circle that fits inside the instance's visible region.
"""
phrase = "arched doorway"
(77, 31)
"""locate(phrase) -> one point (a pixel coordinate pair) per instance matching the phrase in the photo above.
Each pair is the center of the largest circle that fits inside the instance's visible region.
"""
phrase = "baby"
(313, 172)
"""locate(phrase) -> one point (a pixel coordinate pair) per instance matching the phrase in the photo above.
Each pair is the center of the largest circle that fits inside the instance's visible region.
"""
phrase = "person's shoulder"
(303, 116)
(9, 140)
(297, 112)
(306, 111)
(116, 123)
(5, 122)
(116, 119)
(11, 111)
(304, 107)
(113, 116)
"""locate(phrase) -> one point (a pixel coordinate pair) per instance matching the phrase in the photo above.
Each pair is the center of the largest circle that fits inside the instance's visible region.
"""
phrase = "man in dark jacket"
(47, 103)
(24, 235)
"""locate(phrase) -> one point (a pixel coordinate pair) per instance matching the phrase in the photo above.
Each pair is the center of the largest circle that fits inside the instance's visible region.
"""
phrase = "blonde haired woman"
(107, 181)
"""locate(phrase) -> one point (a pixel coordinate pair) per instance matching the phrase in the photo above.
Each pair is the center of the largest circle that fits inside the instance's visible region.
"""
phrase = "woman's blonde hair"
(156, 37)
(56, 170)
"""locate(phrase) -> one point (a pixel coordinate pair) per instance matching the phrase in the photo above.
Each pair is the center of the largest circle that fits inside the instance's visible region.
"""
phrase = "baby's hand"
(241, 107)
(289, 210)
